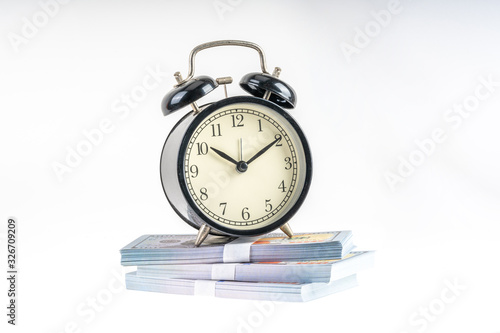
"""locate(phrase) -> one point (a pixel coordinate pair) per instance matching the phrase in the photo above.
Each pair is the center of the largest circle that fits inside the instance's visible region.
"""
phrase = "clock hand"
(263, 150)
(224, 155)
(241, 149)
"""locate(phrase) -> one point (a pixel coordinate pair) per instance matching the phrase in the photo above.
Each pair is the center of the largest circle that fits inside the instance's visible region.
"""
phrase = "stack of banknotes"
(270, 267)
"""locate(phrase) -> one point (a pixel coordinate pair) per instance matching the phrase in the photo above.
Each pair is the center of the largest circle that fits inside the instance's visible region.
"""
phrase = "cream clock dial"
(242, 166)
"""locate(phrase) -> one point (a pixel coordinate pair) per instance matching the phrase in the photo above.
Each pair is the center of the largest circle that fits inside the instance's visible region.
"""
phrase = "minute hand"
(263, 150)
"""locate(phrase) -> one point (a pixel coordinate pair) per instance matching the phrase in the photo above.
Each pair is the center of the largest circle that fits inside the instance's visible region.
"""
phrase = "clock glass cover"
(244, 166)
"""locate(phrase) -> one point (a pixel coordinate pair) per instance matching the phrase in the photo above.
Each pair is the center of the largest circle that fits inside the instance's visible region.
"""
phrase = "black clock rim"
(182, 151)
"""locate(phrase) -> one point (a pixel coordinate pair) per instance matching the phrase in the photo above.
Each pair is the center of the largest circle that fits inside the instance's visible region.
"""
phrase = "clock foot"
(287, 230)
(202, 234)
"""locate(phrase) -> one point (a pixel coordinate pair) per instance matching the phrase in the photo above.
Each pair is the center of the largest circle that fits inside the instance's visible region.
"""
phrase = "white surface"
(439, 227)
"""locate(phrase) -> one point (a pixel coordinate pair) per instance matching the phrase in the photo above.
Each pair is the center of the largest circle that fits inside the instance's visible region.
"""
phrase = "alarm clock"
(240, 166)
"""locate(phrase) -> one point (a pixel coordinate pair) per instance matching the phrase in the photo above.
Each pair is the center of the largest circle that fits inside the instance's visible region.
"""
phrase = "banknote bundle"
(271, 291)
(283, 271)
(270, 267)
(179, 249)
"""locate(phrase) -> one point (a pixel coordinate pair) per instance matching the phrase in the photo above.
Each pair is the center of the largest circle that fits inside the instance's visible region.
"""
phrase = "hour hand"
(224, 155)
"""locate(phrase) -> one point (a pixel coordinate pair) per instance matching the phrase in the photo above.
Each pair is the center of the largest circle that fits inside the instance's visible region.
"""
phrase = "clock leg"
(287, 230)
(202, 234)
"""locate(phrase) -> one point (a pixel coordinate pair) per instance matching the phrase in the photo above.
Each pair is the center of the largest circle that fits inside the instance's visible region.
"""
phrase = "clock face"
(245, 166)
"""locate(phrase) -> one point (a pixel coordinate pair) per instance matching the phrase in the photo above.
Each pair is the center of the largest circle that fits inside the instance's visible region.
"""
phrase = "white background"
(361, 112)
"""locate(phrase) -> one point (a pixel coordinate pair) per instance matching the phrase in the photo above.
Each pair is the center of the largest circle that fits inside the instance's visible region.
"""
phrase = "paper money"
(179, 249)
(285, 292)
(295, 271)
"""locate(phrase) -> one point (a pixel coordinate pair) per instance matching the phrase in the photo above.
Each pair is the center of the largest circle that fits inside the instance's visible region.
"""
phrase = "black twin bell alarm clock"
(240, 166)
